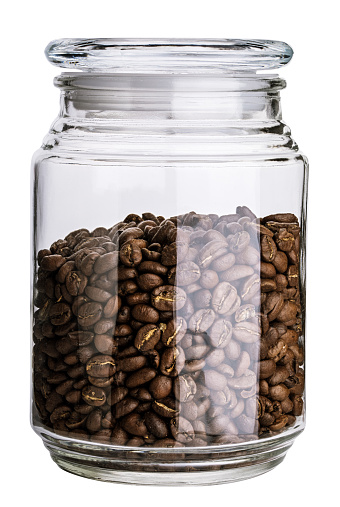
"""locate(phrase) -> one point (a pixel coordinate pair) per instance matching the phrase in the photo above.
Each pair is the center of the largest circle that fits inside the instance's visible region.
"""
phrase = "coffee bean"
(172, 361)
(124, 407)
(52, 262)
(268, 249)
(147, 337)
(116, 395)
(94, 396)
(173, 331)
(209, 279)
(134, 424)
(106, 262)
(140, 377)
(130, 255)
(145, 313)
(181, 429)
(101, 366)
(201, 321)
(156, 425)
(89, 314)
(211, 251)
(160, 387)
(168, 298)
(166, 407)
(187, 273)
(221, 333)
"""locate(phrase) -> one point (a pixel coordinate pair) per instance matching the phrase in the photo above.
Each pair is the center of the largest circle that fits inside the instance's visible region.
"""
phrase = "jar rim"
(168, 56)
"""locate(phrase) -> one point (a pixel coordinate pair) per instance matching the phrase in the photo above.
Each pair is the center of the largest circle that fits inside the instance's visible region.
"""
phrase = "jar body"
(168, 293)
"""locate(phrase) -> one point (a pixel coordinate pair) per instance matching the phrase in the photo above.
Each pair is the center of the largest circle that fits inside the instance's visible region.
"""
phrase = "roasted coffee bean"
(80, 338)
(105, 344)
(224, 298)
(145, 313)
(147, 337)
(103, 326)
(168, 298)
(75, 283)
(220, 333)
(166, 407)
(101, 366)
(202, 298)
(52, 262)
(130, 254)
(250, 288)
(131, 363)
(106, 262)
(187, 273)
(184, 388)
(117, 394)
(140, 377)
(60, 413)
(156, 425)
(124, 407)
(173, 331)
(211, 251)
(134, 424)
(60, 314)
(172, 361)
(201, 321)
(160, 387)
(181, 429)
(268, 248)
(89, 314)
(94, 396)
(209, 279)
(148, 281)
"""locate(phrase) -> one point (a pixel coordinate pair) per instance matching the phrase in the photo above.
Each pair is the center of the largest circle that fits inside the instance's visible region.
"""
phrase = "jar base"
(169, 467)
(167, 479)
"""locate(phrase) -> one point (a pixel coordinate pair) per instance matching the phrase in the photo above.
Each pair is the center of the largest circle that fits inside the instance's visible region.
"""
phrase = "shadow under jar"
(169, 215)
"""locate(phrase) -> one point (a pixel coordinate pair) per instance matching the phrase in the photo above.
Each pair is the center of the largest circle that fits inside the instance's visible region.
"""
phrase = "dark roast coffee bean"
(106, 262)
(168, 298)
(75, 283)
(140, 377)
(160, 387)
(148, 281)
(89, 314)
(147, 337)
(52, 262)
(124, 407)
(134, 424)
(173, 331)
(155, 425)
(94, 396)
(101, 366)
(145, 313)
(132, 363)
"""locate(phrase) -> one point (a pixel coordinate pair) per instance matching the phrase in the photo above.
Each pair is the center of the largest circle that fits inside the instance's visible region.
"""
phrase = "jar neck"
(234, 98)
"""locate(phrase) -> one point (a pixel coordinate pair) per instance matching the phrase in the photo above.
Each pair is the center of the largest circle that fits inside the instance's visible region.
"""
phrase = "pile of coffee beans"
(170, 332)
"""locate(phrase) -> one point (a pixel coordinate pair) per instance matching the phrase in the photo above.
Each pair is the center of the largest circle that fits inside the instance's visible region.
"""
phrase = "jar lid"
(168, 56)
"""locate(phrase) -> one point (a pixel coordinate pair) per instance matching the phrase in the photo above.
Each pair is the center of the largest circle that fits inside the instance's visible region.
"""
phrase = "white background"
(29, 103)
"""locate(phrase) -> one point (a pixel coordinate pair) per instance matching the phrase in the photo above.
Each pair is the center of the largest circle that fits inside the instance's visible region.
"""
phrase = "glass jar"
(169, 210)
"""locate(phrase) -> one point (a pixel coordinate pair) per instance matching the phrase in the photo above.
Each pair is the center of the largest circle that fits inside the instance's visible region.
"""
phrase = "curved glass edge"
(164, 56)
